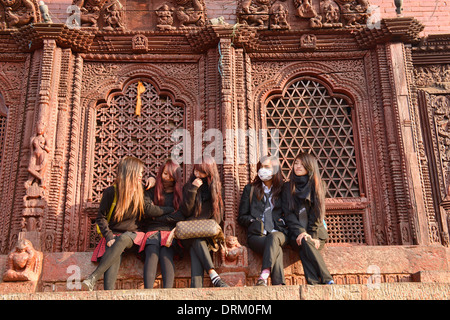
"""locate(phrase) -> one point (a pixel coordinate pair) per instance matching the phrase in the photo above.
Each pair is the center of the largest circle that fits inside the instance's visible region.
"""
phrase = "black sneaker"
(220, 283)
(261, 283)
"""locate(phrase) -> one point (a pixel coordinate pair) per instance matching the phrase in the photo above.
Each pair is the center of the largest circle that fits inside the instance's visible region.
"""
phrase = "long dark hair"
(174, 170)
(318, 188)
(277, 179)
(209, 167)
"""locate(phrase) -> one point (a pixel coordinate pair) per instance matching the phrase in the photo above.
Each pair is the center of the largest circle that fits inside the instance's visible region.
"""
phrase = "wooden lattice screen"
(310, 119)
(119, 132)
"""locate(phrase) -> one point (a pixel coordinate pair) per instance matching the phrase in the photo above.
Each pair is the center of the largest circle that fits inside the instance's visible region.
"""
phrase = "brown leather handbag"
(202, 228)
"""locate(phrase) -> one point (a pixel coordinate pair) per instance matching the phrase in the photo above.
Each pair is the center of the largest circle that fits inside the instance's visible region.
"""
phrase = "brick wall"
(434, 14)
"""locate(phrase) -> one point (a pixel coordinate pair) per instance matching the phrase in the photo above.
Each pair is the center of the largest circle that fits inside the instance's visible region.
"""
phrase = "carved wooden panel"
(120, 132)
(2, 135)
(345, 227)
(310, 119)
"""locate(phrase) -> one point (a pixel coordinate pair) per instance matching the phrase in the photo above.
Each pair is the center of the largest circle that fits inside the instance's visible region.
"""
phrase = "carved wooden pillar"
(231, 86)
(42, 137)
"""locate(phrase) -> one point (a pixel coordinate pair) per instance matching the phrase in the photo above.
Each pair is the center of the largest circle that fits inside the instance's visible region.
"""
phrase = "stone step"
(380, 291)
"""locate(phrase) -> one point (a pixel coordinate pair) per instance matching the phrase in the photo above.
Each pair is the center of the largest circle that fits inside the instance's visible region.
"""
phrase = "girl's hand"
(300, 238)
(110, 242)
(197, 182)
(316, 243)
(150, 183)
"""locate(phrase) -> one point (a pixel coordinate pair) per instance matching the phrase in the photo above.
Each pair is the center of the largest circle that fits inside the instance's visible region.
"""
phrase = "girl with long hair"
(202, 199)
(260, 212)
(303, 203)
(166, 192)
(128, 204)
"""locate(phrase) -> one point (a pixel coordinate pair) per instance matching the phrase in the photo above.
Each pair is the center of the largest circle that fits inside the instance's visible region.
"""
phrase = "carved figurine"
(165, 18)
(20, 12)
(89, 11)
(89, 19)
(235, 252)
(305, 9)
(254, 13)
(39, 150)
(279, 15)
(354, 13)
(23, 263)
(193, 14)
(331, 14)
(114, 16)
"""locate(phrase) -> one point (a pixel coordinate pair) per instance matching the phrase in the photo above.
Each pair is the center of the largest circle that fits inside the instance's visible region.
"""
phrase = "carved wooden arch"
(123, 77)
(337, 82)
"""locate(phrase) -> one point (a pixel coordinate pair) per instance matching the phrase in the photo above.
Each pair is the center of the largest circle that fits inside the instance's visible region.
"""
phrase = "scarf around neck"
(302, 187)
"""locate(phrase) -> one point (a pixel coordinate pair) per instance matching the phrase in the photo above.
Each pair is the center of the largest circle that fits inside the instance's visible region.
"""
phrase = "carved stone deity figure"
(254, 13)
(190, 12)
(331, 14)
(114, 16)
(354, 13)
(305, 9)
(18, 13)
(165, 18)
(38, 161)
(24, 263)
(279, 14)
(235, 254)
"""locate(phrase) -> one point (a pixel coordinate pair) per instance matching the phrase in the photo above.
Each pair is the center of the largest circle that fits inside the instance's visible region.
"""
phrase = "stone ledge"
(348, 265)
(382, 291)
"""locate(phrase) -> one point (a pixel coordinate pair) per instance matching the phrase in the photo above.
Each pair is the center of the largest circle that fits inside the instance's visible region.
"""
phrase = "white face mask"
(265, 174)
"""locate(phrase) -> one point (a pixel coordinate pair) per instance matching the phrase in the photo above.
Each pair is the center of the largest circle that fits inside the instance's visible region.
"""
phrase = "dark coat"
(315, 227)
(250, 214)
(165, 222)
(129, 222)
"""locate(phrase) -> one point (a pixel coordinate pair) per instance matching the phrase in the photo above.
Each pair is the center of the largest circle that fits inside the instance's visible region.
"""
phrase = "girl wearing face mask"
(260, 211)
(167, 192)
(202, 199)
(303, 199)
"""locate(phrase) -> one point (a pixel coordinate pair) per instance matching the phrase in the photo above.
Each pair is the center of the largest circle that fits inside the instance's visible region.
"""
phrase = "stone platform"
(383, 291)
(401, 270)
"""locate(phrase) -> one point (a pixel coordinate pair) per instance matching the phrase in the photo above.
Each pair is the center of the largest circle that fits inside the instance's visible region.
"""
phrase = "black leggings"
(201, 260)
(110, 262)
(154, 252)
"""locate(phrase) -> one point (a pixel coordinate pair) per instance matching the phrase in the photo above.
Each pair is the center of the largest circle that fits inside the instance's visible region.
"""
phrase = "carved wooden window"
(310, 119)
(119, 132)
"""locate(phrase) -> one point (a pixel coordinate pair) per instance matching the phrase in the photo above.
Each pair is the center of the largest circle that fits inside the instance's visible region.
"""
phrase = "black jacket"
(315, 227)
(165, 222)
(250, 214)
(187, 208)
(129, 222)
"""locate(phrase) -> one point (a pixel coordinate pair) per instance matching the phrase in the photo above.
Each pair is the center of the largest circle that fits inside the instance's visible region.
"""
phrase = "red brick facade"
(369, 98)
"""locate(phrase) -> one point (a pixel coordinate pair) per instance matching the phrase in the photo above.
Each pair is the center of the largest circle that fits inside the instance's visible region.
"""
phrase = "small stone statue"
(165, 18)
(39, 150)
(23, 263)
(235, 252)
(114, 17)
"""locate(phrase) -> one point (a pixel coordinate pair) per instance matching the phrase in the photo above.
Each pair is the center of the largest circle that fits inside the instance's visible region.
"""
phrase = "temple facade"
(365, 89)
